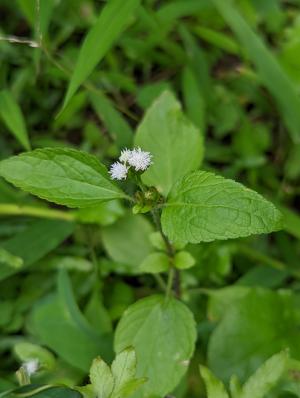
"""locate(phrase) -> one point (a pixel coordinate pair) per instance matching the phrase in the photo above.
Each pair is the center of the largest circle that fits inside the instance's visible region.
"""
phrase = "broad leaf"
(266, 376)
(214, 387)
(204, 207)
(269, 69)
(155, 263)
(74, 339)
(257, 325)
(110, 24)
(127, 241)
(175, 143)
(163, 333)
(64, 176)
(184, 260)
(101, 378)
(13, 117)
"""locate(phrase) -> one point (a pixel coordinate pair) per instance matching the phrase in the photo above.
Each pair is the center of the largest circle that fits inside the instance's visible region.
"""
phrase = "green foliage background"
(72, 76)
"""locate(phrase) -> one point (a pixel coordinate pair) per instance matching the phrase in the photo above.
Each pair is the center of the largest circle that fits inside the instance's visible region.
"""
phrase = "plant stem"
(174, 274)
(160, 282)
(7, 209)
(156, 217)
(170, 282)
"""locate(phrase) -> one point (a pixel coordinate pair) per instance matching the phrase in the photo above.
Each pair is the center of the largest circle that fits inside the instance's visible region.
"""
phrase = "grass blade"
(13, 118)
(269, 70)
(100, 38)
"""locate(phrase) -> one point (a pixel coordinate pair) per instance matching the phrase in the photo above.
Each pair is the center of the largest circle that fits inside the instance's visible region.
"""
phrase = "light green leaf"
(130, 387)
(26, 351)
(214, 387)
(123, 369)
(64, 176)
(269, 70)
(163, 334)
(266, 377)
(9, 259)
(155, 263)
(12, 116)
(101, 378)
(204, 207)
(184, 260)
(110, 24)
(105, 213)
(257, 325)
(175, 143)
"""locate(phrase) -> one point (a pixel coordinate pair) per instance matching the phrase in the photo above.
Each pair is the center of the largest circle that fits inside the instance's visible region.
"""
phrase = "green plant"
(130, 244)
(186, 205)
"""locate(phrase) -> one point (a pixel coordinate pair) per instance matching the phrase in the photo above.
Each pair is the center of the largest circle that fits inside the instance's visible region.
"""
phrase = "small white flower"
(125, 155)
(118, 171)
(31, 366)
(139, 159)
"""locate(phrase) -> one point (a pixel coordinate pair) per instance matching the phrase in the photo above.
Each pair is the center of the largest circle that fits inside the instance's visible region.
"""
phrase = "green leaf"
(155, 263)
(127, 241)
(110, 24)
(12, 116)
(101, 378)
(105, 213)
(26, 351)
(9, 259)
(130, 387)
(184, 260)
(123, 369)
(46, 391)
(257, 325)
(117, 126)
(34, 242)
(163, 334)
(61, 333)
(175, 143)
(269, 70)
(64, 176)
(204, 207)
(59, 324)
(266, 377)
(214, 387)
(193, 98)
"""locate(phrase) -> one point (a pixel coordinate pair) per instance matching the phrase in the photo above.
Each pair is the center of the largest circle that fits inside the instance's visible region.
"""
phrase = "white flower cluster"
(31, 366)
(136, 158)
